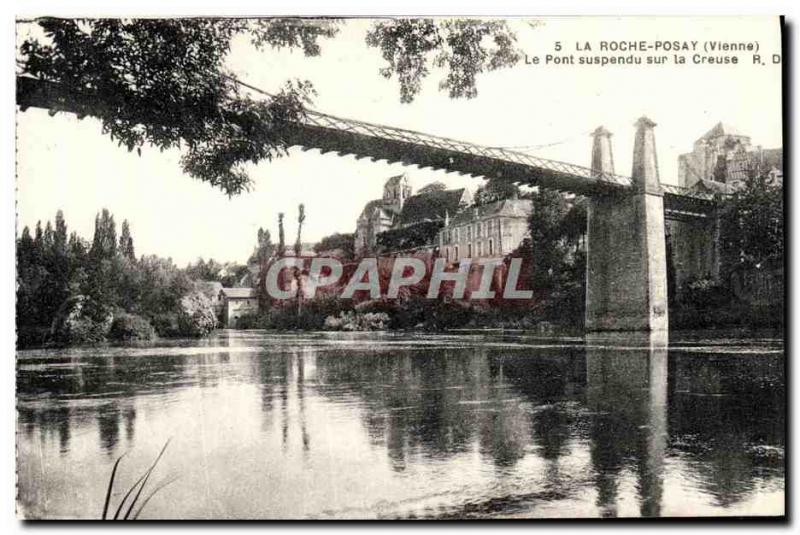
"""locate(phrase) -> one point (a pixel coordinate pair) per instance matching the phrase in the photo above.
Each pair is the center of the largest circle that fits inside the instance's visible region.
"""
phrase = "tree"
(205, 271)
(263, 255)
(495, 190)
(464, 47)
(557, 225)
(70, 291)
(281, 237)
(337, 242)
(103, 269)
(126, 242)
(298, 249)
(545, 225)
(163, 82)
(751, 226)
(196, 315)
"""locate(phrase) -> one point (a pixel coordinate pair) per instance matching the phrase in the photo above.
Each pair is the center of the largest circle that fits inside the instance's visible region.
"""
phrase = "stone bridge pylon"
(626, 267)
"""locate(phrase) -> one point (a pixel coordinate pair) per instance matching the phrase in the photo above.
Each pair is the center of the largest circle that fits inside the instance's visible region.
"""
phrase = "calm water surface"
(401, 426)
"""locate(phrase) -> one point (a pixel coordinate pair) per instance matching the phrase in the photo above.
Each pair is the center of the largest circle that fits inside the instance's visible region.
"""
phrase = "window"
(455, 254)
(491, 247)
(480, 249)
(447, 254)
(469, 250)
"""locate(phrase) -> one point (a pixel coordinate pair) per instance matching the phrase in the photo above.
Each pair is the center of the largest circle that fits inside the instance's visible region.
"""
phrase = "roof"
(503, 208)
(430, 206)
(394, 180)
(239, 293)
(721, 129)
(712, 186)
(741, 165)
(370, 207)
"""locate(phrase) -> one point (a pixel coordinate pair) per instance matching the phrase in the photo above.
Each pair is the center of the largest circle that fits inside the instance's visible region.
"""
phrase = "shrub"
(418, 312)
(196, 317)
(166, 324)
(74, 325)
(129, 327)
(250, 321)
(32, 336)
(449, 315)
(704, 293)
(311, 315)
(357, 321)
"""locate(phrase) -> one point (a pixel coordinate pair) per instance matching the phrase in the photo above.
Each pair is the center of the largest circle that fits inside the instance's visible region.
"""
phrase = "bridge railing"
(686, 192)
(32, 91)
(324, 120)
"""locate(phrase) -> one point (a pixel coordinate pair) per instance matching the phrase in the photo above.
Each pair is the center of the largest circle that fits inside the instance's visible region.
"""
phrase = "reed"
(138, 487)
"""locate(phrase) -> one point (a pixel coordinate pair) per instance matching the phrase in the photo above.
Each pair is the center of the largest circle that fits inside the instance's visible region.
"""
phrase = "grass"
(132, 513)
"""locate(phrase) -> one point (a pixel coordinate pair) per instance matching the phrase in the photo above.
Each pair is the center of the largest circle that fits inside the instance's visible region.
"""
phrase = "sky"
(69, 164)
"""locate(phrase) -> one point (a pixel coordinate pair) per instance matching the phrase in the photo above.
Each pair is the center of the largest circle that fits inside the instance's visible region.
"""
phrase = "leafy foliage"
(357, 321)
(404, 238)
(433, 186)
(196, 316)
(496, 190)
(557, 225)
(465, 48)
(337, 241)
(752, 224)
(127, 327)
(69, 290)
(163, 82)
(228, 274)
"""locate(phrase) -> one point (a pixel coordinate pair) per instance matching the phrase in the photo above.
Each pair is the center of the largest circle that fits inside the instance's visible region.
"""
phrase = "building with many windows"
(489, 230)
(440, 221)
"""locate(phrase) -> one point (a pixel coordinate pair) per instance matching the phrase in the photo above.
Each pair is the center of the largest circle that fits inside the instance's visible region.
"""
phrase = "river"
(460, 425)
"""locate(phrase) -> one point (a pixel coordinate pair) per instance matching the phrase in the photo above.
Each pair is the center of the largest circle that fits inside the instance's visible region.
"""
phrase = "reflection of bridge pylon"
(627, 385)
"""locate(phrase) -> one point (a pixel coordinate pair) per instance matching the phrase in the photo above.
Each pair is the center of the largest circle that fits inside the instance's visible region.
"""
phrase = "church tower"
(395, 193)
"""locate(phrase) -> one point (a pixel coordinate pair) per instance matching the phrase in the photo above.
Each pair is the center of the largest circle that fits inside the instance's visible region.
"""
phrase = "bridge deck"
(329, 133)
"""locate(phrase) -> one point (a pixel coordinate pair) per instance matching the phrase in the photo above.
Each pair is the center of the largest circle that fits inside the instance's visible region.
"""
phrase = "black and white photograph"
(399, 268)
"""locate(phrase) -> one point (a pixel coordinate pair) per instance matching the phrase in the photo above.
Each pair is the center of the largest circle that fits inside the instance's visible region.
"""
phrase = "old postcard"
(400, 268)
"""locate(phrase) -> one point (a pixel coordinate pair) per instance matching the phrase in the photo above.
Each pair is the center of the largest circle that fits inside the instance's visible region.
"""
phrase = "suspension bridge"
(626, 287)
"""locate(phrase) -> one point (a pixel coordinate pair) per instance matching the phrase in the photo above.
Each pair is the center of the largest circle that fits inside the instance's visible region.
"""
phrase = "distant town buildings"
(440, 220)
(720, 162)
(723, 157)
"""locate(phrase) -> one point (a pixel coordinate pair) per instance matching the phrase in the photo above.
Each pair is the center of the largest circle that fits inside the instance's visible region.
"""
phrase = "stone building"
(381, 214)
(237, 302)
(398, 209)
(440, 220)
(722, 158)
(486, 231)
(719, 163)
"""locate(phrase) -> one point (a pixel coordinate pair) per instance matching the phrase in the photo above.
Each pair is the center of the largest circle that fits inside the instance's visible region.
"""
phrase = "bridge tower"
(626, 265)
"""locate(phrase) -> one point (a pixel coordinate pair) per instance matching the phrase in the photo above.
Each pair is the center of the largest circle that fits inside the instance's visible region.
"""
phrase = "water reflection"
(627, 387)
(388, 426)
